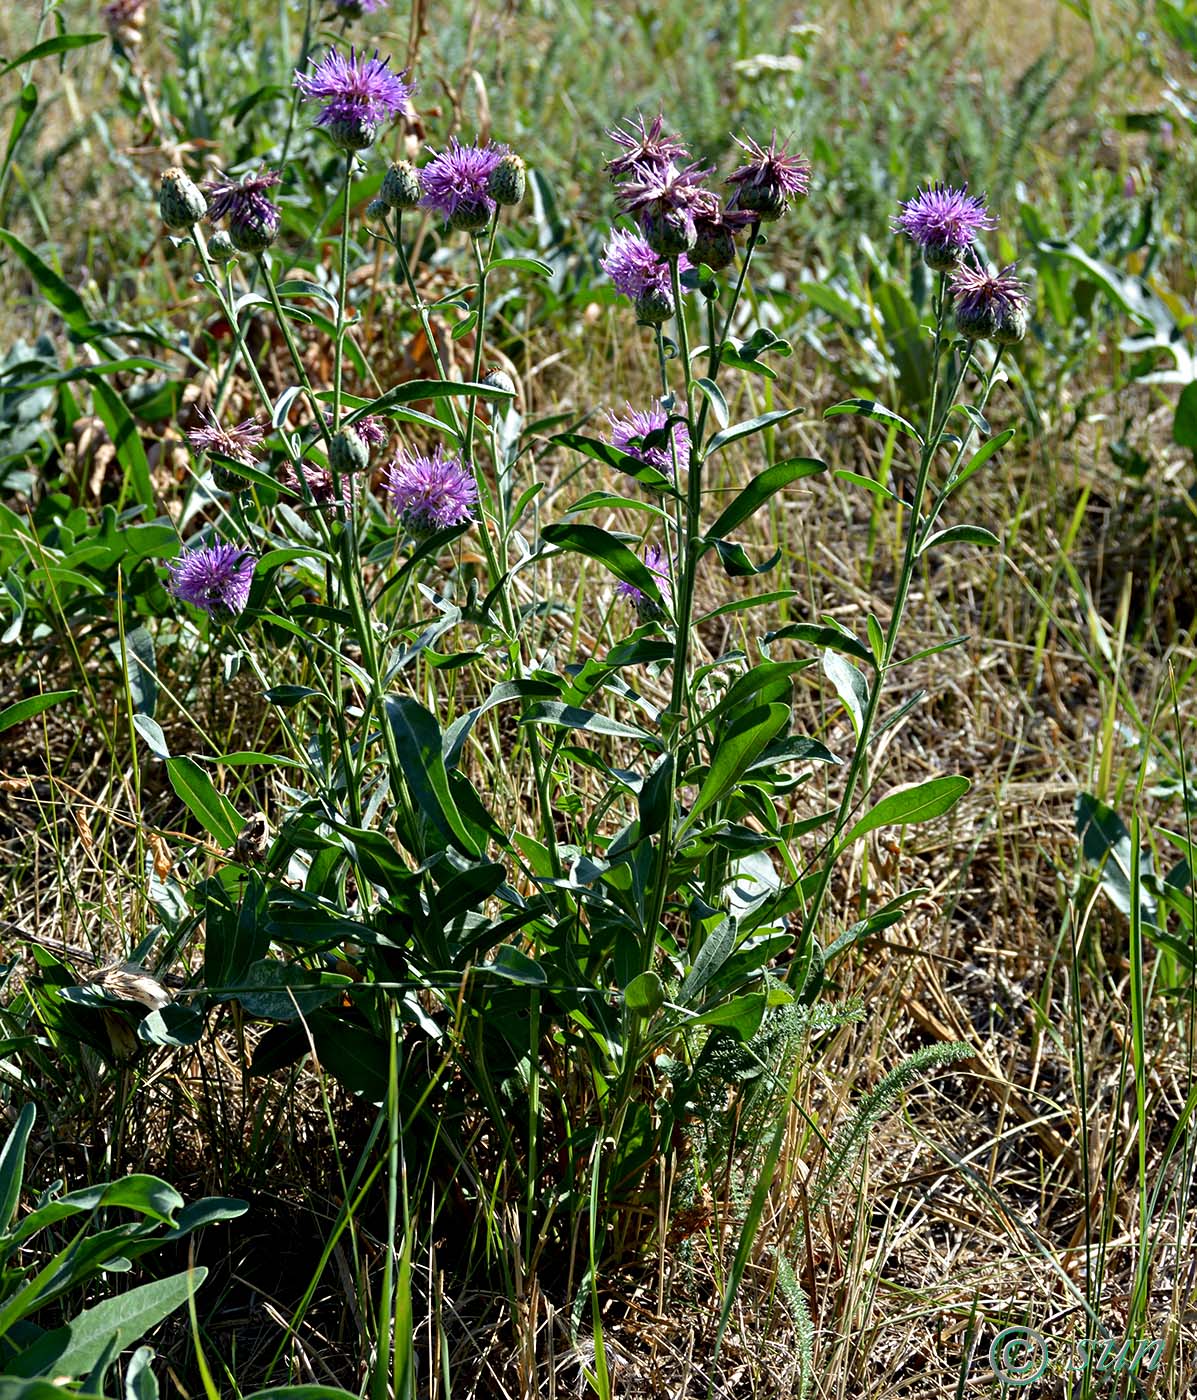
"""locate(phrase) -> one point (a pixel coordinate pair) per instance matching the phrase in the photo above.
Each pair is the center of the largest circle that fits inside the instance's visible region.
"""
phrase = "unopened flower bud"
(180, 201)
(347, 453)
(250, 233)
(499, 379)
(508, 180)
(716, 249)
(668, 233)
(766, 200)
(220, 247)
(1011, 326)
(654, 306)
(401, 186)
(377, 210)
(471, 215)
(976, 322)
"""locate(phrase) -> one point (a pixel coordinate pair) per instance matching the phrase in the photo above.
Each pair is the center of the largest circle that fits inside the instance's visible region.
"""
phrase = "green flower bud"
(401, 186)
(499, 379)
(508, 180)
(180, 200)
(976, 322)
(220, 247)
(942, 257)
(767, 201)
(1011, 326)
(668, 233)
(377, 210)
(714, 250)
(352, 132)
(347, 453)
(227, 479)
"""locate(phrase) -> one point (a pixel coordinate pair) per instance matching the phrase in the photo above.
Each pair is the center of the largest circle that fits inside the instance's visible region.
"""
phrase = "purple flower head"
(238, 443)
(664, 199)
(990, 303)
(634, 268)
(253, 219)
(942, 218)
(321, 484)
(358, 96)
(430, 493)
(658, 566)
(456, 183)
(639, 424)
(213, 577)
(644, 146)
(769, 179)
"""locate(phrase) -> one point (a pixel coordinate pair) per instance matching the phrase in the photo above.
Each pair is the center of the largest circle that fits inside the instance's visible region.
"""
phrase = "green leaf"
(1184, 424)
(521, 264)
(215, 813)
(140, 666)
(816, 634)
(735, 560)
(13, 715)
(980, 457)
(12, 1165)
(26, 106)
(737, 750)
(553, 712)
(1106, 845)
(60, 44)
(73, 1350)
(908, 806)
(604, 452)
(516, 967)
(870, 408)
(126, 438)
(760, 488)
(65, 300)
(644, 995)
(714, 396)
(850, 686)
(421, 753)
(742, 1014)
(140, 1383)
(747, 428)
(960, 534)
(719, 945)
(597, 543)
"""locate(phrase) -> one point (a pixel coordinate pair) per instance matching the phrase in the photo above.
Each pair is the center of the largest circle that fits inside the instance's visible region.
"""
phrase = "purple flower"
(213, 577)
(943, 222)
(237, 442)
(321, 484)
(639, 424)
(990, 304)
(658, 566)
(767, 182)
(644, 146)
(359, 95)
(430, 493)
(456, 184)
(664, 198)
(253, 219)
(634, 268)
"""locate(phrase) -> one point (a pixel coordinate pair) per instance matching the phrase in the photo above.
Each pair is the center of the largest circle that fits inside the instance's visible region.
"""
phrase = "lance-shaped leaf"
(610, 456)
(421, 752)
(760, 488)
(737, 750)
(747, 428)
(909, 806)
(597, 543)
(870, 408)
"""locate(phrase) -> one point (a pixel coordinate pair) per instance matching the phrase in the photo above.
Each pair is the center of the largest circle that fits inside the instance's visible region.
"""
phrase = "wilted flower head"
(214, 577)
(640, 424)
(430, 492)
(321, 484)
(990, 304)
(253, 219)
(238, 442)
(943, 221)
(658, 566)
(664, 199)
(457, 184)
(644, 146)
(359, 95)
(124, 20)
(771, 177)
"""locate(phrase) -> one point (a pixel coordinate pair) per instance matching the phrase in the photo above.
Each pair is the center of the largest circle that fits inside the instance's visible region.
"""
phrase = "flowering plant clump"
(456, 184)
(252, 216)
(629, 432)
(359, 95)
(430, 492)
(944, 221)
(215, 578)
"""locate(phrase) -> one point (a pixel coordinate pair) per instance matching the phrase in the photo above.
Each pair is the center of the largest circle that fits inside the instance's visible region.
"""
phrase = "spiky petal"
(634, 268)
(658, 566)
(644, 146)
(769, 179)
(990, 304)
(239, 442)
(943, 221)
(253, 219)
(214, 577)
(457, 184)
(430, 492)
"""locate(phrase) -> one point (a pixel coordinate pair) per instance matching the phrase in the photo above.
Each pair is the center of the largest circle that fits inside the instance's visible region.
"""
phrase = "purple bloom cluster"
(765, 184)
(430, 492)
(253, 219)
(238, 443)
(214, 577)
(634, 268)
(943, 222)
(658, 565)
(457, 184)
(358, 96)
(638, 424)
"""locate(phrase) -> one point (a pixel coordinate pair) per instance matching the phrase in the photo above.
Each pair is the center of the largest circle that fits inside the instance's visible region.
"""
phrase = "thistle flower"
(644, 146)
(640, 424)
(714, 232)
(767, 182)
(457, 184)
(990, 304)
(664, 199)
(371, 429)
(180, 202)
(214, 577)
(430, 493)
(401, 187)
(253, 219)
(658, 566)
(634, 268)
(359, 95)
(321, 484)
(943, 221)
(238, 442)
